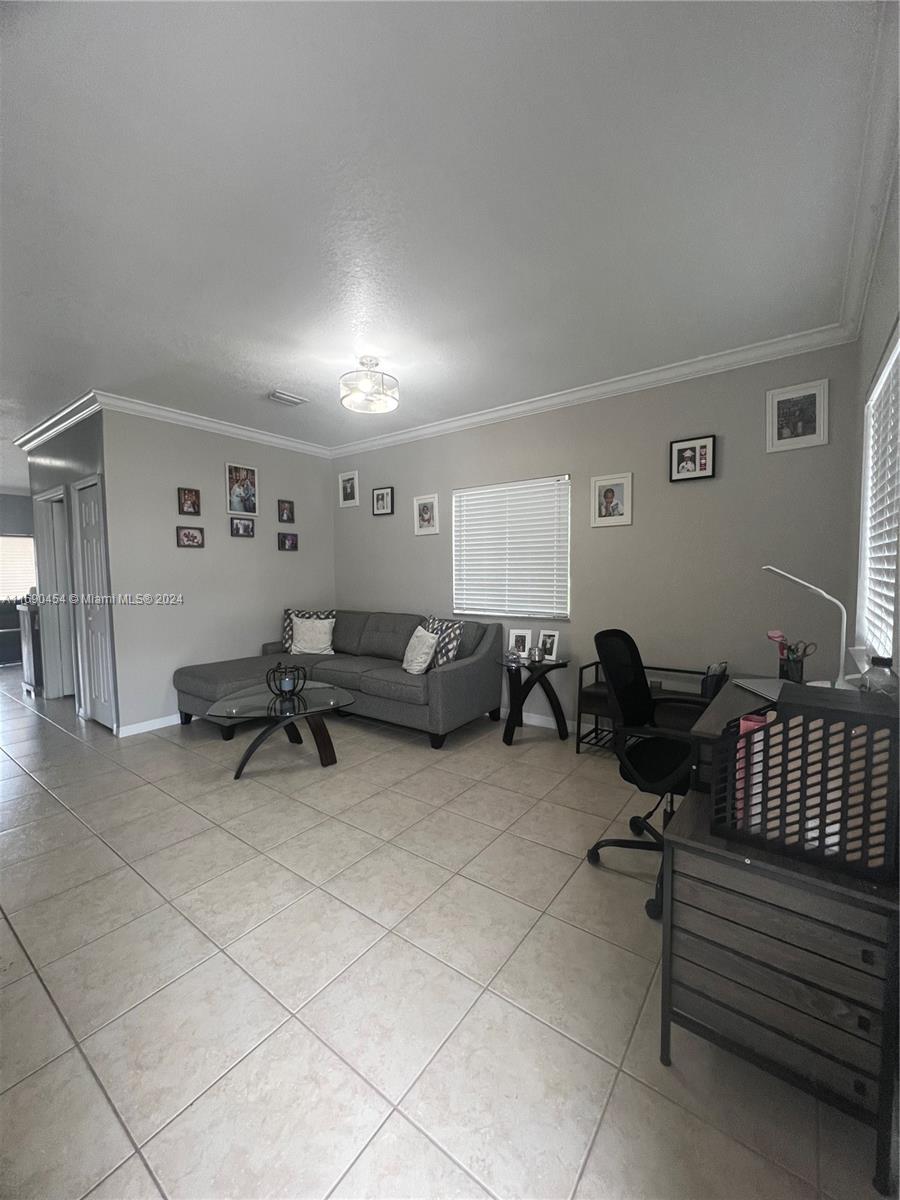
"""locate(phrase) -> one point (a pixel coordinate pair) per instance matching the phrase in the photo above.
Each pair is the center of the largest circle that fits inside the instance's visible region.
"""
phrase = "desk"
(788, 964)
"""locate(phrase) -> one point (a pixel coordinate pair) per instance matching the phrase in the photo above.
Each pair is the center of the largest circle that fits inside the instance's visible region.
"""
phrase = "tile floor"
(394, 978)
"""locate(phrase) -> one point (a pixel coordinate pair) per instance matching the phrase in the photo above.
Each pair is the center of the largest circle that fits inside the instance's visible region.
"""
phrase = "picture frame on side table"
(519, 642)
(382, 502)
(797, 417)
(348, 489)
(611, 500)
(425, 514)
(692, 458)
(548, 640)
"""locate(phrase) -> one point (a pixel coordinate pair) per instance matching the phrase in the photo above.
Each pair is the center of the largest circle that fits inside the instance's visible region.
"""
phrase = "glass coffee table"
(282, 712)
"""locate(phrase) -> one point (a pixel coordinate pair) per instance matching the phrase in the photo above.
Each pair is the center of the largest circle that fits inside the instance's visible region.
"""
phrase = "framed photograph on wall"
(240, 490)
(286, 512)
(519, 642)
(611, 500)
(243, 527)
(188, 502)
(189, 537)
(348, 489)
(288, 541)
(425, 514)
(797, 417)
(548, 640)
(382, 502)
(692, 458)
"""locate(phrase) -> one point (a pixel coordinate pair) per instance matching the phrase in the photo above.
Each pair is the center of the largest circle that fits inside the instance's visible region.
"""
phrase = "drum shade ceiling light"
(369, 390)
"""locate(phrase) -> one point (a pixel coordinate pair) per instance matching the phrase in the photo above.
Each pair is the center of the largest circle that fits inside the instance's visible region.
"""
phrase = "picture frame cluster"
(426, 510)
(242, 507)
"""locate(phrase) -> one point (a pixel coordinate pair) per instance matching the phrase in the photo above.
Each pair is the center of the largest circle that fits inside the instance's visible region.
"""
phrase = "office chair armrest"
(675, 670)
(587, 667)
(648, 731)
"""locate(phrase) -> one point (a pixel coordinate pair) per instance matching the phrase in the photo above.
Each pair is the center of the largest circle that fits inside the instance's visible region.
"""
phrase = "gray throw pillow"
(419, 651)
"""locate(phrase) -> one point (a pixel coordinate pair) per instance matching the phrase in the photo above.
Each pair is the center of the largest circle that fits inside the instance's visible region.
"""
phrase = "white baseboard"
(147, 726)
(530, 718)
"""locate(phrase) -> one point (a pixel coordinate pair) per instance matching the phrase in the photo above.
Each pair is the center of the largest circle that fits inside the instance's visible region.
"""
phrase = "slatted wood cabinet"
(787, 964)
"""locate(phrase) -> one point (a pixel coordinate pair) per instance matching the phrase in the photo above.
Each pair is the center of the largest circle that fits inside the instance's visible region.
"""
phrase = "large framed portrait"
(425, 514)
(692, 458)
(611, 500)
(348, 489)
(797, 417)
(240, 490)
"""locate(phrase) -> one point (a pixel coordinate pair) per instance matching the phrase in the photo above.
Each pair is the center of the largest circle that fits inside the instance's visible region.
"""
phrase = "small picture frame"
(243, 527)
(797, 417)
(611, 500)
(519, 642)
(288, 541)
(241, 497)
(382, 502)
(286, 512)
(189, 537)
(548, 640)
(348, 489)
(188, 502)
(425, 514)
(692, 458)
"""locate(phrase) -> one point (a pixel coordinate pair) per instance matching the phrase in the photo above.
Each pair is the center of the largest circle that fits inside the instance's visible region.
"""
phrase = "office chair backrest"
(629, 693)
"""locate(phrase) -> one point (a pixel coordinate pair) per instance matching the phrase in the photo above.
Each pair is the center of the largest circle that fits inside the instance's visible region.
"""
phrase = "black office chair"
(652, 741)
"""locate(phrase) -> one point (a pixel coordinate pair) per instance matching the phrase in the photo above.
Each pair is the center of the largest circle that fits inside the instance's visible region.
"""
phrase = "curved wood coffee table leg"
(293, 734)
(322, 737)
(257, 742)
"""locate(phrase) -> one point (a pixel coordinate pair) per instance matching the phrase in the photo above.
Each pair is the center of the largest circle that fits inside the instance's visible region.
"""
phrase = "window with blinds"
(511, 549)
(877, 605)
(17, 572)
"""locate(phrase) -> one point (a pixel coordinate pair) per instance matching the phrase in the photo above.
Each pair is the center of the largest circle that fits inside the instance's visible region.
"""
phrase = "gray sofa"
(368, 652)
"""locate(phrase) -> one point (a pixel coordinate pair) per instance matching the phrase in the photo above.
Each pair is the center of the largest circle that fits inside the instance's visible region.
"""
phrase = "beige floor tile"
(585, 987)
(33, 806)
(13, 962)
(83, 769)
(401, 1162)
(553, 755)
(196, 783)
(287, 1121)
(115, 811)
(446, 838)
(648, 1146)
(387, 884)
(751, 1105)
(636, 863)
(386, 814)
(432, 785)
(18, 786)
(387, 1014)
(325, 849)
(513, 1101)
(131, 1181)
(158, 762)
(161, 1055)
(146, 835)
(63, 923)
(40, 837)
(231, 800)
(480, 759)
(298, 951)
(100, 981)
(612, 906)
(469, 926)
(32, 1033)
(564, 829)
(522, 869)
(334, 791)
(184, 866)
(114, 782)
(586, 793)
(492, 805)
(275, 821)
(60, 1135)
(27, 882)
(522, 777)
(846, 1157)
(391, 766)
(230, 905)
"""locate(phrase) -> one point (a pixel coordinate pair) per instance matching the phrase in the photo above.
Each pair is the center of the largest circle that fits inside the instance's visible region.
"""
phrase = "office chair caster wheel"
(636, 825)
(593, 856)
(653, 908)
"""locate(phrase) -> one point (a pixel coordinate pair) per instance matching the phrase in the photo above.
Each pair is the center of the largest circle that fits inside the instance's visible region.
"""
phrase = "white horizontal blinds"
(881, 511)
(17, 573)
(511, 549)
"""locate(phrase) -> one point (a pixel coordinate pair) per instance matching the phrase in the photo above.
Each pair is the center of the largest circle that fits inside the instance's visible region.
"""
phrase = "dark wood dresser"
(791, 966)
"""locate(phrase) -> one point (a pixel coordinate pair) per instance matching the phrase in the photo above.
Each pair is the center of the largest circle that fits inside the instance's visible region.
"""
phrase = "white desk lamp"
(841, 681)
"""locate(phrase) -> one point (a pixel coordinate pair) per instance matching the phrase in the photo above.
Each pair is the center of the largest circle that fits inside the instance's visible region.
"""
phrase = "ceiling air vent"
(287, 398)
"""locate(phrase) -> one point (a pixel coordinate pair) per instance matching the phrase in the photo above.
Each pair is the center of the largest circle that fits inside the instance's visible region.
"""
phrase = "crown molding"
(79, 410)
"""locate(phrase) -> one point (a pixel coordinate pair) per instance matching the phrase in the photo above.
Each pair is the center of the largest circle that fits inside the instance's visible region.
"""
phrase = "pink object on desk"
(780, 639)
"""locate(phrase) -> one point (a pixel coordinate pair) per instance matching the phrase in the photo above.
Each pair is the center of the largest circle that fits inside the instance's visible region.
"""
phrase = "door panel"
(95, 624)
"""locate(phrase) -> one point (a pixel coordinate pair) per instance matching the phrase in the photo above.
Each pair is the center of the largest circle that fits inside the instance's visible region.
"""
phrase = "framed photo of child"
(611, 500)
(692, 458)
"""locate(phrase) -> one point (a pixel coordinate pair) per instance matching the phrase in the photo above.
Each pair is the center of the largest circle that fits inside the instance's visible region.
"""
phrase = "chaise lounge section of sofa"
(368, 653)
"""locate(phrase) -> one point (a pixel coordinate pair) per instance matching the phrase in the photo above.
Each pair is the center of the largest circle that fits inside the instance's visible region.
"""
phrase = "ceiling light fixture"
(369, 390)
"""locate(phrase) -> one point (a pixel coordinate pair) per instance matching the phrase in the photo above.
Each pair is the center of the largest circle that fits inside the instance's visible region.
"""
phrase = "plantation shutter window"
(881, 512)
(511, 549)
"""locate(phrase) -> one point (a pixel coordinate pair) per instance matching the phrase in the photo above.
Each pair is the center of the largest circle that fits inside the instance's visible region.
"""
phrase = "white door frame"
(83, 692)
(50, 584)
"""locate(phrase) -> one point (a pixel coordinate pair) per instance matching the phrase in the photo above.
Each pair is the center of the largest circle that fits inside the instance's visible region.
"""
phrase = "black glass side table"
(520, 690)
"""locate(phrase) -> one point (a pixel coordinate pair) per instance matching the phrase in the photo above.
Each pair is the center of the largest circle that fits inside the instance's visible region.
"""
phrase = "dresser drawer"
(834, 1010)
(791, 928)
(858, 986)
(855, 1086)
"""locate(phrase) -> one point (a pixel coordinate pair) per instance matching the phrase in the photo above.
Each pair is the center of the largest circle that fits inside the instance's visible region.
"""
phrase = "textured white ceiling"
(202, 202)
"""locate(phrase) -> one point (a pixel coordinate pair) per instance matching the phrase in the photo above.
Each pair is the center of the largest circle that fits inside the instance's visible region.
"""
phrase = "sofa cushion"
(387, 635)
(472, 633)
(348, 627)
(393, 683)
(310, 614)
(212, 681)
(345, 670)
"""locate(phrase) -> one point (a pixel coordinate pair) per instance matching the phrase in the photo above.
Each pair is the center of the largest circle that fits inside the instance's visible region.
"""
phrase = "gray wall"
(235, 588)
(16, 515)
(74, 454)
(882, 303)
(685, 578)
